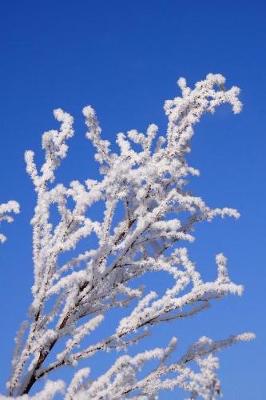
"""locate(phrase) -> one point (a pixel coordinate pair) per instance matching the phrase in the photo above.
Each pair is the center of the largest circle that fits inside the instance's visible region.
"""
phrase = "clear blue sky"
(124, 58)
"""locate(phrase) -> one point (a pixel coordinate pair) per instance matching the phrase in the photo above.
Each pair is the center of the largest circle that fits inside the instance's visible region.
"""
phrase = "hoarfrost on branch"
(147, 177)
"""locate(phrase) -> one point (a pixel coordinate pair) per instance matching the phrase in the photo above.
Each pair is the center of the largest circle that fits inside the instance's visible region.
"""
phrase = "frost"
(147, 177)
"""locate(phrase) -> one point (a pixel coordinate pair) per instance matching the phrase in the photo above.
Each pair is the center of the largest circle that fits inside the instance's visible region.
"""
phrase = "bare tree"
(148, 216)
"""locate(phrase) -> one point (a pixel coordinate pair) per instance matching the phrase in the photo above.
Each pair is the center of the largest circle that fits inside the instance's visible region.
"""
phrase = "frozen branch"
(146, 179)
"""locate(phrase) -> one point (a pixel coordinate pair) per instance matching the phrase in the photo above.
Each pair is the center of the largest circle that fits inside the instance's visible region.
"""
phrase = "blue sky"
(124, 58)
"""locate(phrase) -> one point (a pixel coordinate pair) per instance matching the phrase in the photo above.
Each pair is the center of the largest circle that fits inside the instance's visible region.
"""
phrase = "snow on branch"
(147, 179)
(5, 210)
(122, 380)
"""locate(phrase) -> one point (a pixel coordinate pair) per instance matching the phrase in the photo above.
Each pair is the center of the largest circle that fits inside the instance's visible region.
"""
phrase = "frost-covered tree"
(148, 216)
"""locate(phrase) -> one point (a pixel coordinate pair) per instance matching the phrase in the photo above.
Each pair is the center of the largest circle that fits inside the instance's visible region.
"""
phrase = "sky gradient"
(124, 59)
